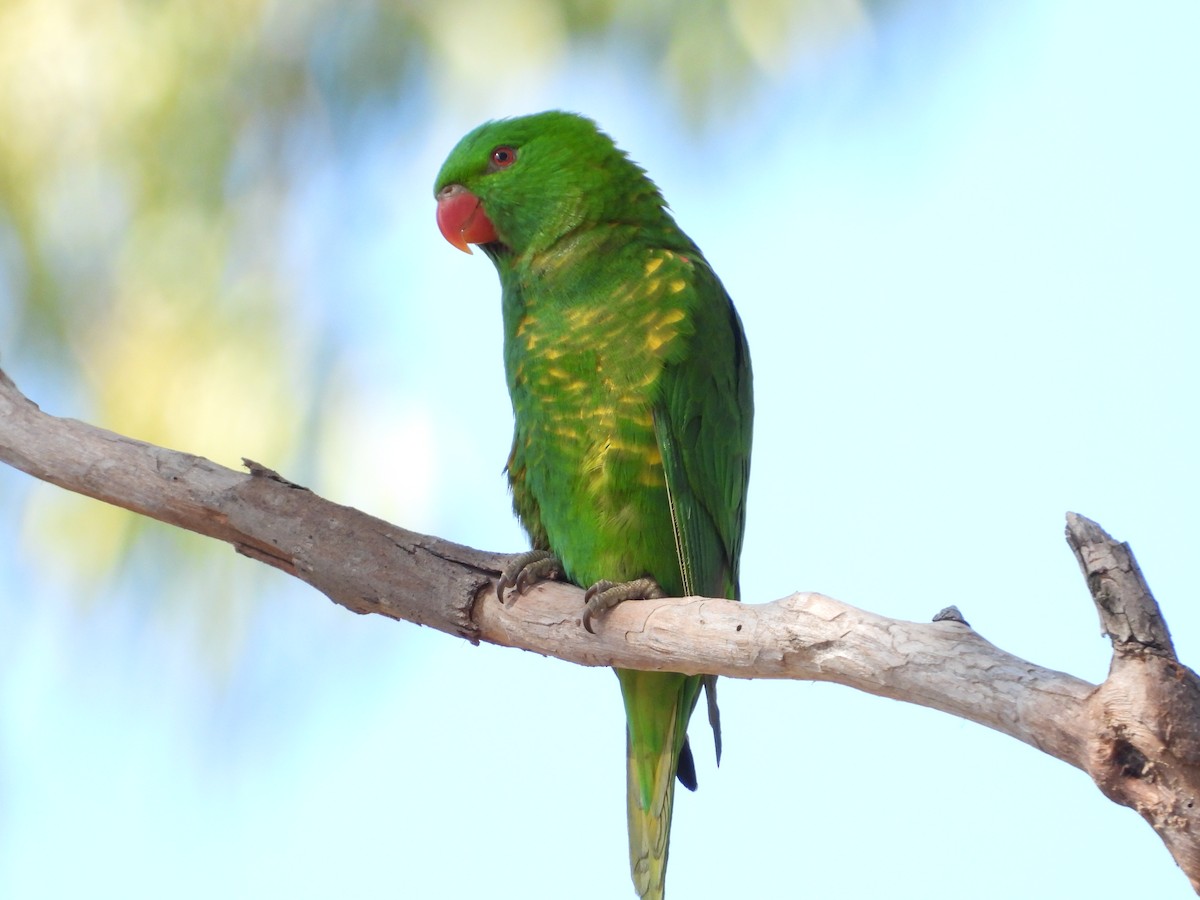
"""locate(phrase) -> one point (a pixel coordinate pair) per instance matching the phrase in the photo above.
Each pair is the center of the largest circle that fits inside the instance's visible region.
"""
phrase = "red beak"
(461, 219)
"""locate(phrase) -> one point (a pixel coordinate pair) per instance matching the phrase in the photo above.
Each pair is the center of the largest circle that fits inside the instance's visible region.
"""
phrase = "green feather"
(631, 389)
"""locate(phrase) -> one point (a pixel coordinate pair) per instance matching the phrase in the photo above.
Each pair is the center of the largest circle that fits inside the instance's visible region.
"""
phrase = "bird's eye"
(503, 157)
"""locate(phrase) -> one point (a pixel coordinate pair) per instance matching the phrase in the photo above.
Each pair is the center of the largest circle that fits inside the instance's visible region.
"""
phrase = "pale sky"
(966, 262)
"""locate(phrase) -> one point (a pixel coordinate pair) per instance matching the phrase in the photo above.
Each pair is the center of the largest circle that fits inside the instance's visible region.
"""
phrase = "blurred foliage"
(148, 152)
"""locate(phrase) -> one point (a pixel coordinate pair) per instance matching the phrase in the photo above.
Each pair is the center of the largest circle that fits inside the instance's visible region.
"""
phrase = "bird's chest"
(586, 470)
(583, 384)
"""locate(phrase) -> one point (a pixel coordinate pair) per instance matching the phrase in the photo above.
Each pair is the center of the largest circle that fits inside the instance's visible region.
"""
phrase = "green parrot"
(630, 382)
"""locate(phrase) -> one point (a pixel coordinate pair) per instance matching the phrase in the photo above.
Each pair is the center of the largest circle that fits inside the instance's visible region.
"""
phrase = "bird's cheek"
(461, 219)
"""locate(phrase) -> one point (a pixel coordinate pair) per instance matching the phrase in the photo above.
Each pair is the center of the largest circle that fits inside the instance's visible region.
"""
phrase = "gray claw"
(526, 569)
(604, 595)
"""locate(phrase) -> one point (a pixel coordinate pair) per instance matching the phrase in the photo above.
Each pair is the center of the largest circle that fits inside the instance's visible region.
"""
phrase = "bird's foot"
(604, 595)
(526, 569)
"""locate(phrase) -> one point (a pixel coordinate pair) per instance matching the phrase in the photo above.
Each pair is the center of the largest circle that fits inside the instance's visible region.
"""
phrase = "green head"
(522, 184)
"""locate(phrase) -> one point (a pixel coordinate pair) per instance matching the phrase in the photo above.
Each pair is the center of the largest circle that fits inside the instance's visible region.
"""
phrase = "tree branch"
(1137, 735)
(1144, 721)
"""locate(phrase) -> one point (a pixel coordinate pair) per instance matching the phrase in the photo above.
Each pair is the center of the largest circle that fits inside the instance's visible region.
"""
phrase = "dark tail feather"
(714, 713)
(685, 769)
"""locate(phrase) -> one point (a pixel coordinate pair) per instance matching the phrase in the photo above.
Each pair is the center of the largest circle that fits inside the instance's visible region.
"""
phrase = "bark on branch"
(1137, 734)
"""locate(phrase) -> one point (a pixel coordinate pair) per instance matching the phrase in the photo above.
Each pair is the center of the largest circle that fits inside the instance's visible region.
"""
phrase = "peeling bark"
(1144, 721)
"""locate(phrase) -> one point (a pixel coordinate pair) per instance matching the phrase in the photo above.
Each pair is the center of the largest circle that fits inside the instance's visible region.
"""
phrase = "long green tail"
(657, 708)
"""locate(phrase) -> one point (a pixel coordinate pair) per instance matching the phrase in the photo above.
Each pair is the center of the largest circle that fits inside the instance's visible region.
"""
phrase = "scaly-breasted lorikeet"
(630, 382)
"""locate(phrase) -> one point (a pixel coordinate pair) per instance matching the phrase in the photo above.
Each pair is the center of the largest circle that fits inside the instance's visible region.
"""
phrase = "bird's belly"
(606, 512)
